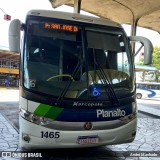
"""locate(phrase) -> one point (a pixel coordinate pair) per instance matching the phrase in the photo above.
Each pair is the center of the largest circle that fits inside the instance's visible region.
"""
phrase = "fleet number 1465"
(50, 134)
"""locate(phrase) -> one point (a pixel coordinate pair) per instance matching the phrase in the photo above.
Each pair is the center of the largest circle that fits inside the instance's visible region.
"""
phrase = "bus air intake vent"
(35, 13)
(82, 19)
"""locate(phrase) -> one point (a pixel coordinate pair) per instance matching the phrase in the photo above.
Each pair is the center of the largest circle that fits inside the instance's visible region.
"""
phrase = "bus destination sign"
(65, 27)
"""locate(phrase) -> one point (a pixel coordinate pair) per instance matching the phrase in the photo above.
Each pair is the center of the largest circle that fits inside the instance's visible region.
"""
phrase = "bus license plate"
(88, 140)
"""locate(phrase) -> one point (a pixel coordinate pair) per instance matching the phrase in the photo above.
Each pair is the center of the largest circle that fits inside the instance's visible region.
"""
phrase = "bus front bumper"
(33, 136)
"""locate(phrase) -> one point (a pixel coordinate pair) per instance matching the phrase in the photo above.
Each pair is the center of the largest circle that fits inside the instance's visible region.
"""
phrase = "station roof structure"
(5, 54)
(145, 13)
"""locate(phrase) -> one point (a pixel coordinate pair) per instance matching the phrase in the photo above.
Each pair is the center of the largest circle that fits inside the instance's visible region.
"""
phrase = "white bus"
(77, 80)
(150, 90)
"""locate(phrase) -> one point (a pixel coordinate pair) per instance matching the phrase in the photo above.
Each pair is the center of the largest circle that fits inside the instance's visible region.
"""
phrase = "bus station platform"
(149, 107)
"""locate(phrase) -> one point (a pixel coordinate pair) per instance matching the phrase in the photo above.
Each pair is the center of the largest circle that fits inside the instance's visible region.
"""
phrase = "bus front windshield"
(76, 61)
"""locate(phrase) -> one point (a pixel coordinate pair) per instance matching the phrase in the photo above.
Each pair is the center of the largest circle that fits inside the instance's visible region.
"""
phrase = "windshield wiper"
(64, 91)
(104, 80)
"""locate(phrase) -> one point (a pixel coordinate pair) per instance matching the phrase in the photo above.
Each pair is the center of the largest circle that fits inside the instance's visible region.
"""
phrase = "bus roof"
(74, 17)
(145, 68)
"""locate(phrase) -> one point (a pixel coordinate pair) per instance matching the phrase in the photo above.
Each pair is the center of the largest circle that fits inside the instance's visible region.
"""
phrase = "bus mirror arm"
(148, 47)
(14, 35)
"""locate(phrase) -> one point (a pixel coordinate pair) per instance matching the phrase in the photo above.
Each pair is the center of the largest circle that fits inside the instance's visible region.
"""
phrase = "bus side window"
(156, 87)
(137, 85)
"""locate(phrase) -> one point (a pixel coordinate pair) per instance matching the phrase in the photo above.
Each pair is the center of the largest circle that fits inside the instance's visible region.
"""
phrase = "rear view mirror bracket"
(148, 48)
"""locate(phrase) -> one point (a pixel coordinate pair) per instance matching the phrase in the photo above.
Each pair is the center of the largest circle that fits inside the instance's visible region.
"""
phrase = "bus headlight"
(131, 116)
(134, 108)
(34, 118)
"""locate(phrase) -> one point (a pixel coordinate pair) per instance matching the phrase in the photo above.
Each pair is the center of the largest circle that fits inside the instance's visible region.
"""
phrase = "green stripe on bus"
(48, 111)
(42, 109)
(54, 112)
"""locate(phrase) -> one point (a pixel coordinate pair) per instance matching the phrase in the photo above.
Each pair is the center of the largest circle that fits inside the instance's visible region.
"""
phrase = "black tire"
(138, 95)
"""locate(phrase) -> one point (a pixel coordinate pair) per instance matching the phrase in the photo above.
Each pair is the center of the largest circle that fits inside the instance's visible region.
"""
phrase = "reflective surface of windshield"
(76, 61)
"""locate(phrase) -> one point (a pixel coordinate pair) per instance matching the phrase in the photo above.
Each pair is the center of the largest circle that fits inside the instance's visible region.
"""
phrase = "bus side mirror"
(14, 35)
(148, 47)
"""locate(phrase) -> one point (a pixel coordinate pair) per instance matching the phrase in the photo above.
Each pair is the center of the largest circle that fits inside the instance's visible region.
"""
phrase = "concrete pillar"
(77, 6)
(134, 27)
(133, 32)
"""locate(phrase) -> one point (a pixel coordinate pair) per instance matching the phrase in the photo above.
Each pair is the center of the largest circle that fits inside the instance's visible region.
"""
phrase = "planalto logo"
(87, 104)
(116, 113)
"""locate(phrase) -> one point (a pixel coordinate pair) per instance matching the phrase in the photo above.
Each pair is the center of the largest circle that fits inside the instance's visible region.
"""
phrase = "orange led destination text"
(57, 26)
